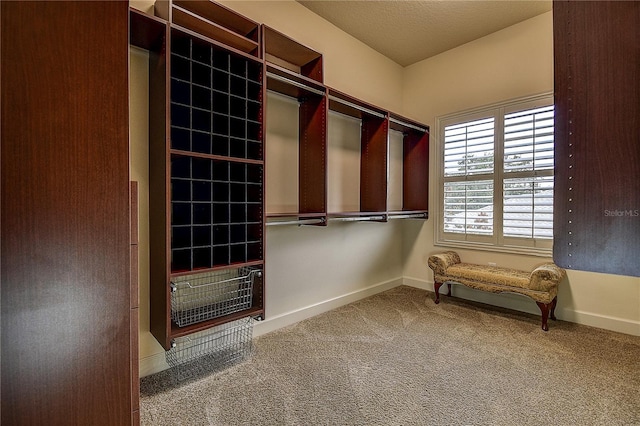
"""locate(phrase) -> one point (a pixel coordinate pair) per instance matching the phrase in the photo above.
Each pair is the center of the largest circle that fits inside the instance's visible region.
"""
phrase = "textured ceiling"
(408, 31)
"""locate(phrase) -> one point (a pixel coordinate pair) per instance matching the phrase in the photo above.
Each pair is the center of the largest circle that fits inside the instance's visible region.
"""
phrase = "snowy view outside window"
(498, 175)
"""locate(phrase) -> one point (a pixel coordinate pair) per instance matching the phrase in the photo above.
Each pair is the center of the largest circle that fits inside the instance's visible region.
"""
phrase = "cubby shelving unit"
(206, 166)
(295, 71)
(374, 126)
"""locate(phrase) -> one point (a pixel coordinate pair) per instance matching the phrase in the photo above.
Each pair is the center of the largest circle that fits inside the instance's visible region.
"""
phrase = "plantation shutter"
(468, 170)
(528, 174)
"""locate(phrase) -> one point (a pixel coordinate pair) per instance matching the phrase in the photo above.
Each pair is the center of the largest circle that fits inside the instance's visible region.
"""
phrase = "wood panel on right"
(597, 128)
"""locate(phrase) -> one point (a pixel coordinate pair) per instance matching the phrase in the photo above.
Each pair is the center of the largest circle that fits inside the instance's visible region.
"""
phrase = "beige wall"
(349, 65)
(511, 63)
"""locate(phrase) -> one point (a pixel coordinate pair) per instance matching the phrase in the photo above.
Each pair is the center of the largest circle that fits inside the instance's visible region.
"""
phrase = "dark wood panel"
(313, 155)
(207, 28)
(597, 173)
(159, 208)
(222, 16)
(291, 54)
(146, 31)
(66, 347)
(415, 171)
(373, 164)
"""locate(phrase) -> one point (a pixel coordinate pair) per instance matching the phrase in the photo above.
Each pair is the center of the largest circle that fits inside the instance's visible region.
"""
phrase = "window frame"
(496, 242)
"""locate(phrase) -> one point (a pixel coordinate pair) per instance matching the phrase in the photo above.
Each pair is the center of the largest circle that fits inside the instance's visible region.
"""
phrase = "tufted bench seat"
(541, 284)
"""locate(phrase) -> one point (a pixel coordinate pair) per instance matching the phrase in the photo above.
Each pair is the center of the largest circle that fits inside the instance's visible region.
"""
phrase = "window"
(496, 177)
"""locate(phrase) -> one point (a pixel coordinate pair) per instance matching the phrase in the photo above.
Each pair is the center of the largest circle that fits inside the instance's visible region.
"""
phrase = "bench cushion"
(491, 274)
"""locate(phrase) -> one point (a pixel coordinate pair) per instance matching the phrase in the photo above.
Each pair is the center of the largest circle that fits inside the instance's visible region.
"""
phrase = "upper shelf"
(348, 105)
(405, 125)
(290, 55)
(214, 21)
(146, 31)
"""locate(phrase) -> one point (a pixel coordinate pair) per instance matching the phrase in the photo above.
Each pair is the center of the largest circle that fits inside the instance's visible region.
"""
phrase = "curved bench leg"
(436, 288)
(553, 308)
(544, 309)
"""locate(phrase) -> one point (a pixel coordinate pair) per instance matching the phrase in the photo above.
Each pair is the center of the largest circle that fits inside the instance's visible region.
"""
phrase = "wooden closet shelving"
(206, 165)
(210, 69)
(214, 21)
(415, 168)
(295, 71)
(374, 128)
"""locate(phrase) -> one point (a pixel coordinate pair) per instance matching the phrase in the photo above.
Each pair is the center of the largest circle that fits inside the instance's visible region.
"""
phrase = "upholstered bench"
(541, 284)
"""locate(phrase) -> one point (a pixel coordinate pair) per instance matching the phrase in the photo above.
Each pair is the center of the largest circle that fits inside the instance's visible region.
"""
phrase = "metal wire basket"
(211, 349)
(201, 297)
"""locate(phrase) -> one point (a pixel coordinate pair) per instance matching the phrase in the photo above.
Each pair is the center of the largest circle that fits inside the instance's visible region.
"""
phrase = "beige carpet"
(398, 359)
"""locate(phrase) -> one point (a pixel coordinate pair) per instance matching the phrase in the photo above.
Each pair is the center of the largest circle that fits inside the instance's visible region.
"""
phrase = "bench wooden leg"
(544, 309)
(436, 287)
(553, 308)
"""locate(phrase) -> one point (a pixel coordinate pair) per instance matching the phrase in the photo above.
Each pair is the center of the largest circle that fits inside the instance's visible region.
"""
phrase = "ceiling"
(408, 31)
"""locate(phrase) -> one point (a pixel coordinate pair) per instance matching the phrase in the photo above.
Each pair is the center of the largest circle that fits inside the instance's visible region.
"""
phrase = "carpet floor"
(396, 358)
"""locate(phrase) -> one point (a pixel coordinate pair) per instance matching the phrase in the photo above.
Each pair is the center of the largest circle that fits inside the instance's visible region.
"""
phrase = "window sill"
(527, 251)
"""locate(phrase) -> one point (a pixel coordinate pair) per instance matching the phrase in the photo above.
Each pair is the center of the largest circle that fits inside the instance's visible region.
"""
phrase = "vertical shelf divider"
(373, 164)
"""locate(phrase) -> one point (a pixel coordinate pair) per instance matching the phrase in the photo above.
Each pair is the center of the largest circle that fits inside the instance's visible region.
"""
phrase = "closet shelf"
(288, 54)
(372, 218)
(407, 215)
(213, 21)
(348, 105)
(318, 221)
(286, 83)
(146, 31)
(402, 124)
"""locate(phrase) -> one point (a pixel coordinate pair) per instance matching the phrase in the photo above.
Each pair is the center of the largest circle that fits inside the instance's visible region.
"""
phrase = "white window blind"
(469, 156)
(497, 176)
(528, 174)
(468, 207)
(528, 207)
(469, 148)
(528, 140)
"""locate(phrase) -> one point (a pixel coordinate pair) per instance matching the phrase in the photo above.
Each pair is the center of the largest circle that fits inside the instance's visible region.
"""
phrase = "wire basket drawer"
(213, 348)
(201, 297)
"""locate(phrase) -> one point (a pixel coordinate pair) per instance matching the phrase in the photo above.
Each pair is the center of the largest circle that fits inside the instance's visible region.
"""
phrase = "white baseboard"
(273, 323)
(620, 325)
(418, 283)
(152, 364)
(156, 363)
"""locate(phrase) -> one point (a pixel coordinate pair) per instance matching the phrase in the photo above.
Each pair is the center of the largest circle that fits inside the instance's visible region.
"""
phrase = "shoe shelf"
(207, 87)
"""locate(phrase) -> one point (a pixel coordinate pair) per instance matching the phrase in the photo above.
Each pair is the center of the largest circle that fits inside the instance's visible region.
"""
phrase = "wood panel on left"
(65, 214)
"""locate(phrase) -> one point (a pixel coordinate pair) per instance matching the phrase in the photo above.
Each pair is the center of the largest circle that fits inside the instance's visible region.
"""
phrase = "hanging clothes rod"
(295, 222)
(356, 106)
(355, 219)
(411, 126)
(295, 83)
(408, 216)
